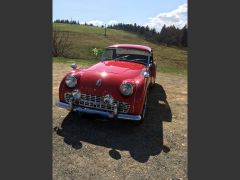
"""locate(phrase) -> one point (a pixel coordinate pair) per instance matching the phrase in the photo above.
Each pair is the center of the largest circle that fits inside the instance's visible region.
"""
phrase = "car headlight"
(71, 81)
(126, 88)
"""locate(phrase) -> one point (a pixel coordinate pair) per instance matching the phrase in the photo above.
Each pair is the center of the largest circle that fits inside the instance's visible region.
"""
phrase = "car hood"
(111, 74)
(116, 67)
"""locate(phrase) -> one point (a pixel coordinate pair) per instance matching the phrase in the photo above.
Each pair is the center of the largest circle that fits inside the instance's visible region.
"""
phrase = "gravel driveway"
(88, 148)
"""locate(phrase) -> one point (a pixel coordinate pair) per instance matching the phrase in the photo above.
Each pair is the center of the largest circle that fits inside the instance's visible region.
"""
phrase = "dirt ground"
(89, 148)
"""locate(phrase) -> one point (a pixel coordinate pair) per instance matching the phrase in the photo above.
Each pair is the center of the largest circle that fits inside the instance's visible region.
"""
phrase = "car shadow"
(141, 141)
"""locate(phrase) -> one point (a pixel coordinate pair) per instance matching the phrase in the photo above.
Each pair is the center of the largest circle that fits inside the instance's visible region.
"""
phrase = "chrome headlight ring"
(126, 88)
(71, 81)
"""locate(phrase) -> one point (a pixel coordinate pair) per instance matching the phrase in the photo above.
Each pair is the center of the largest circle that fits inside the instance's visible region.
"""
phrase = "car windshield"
(126, 54)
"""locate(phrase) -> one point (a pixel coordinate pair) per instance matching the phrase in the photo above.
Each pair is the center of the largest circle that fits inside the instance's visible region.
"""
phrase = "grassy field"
(85, 38)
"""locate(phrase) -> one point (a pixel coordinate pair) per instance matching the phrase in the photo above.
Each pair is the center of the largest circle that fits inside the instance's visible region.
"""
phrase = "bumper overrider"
(107, 114)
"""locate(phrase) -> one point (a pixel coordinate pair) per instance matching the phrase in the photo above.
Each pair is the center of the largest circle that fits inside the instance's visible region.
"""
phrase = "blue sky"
(154, 13)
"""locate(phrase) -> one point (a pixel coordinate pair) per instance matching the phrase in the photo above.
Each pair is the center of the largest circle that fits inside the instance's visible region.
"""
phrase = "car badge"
(98, 82)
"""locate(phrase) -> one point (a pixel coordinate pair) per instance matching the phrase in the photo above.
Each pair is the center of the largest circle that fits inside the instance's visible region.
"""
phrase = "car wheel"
(75, 113)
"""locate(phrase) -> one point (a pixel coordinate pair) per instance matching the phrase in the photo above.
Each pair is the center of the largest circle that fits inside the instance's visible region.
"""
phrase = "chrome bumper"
(99, 112)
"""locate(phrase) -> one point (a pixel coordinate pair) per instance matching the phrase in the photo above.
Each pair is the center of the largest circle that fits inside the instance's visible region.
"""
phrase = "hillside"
(85, 38)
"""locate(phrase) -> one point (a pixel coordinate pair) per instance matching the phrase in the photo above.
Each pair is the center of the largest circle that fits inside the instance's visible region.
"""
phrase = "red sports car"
(116, 87)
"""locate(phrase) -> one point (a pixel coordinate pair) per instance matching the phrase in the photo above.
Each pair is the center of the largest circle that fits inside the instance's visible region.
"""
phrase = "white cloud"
(111, 22)
(177, 17)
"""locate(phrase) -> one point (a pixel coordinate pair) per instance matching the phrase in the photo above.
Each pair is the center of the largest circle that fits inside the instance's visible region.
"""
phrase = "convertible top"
(133, 46)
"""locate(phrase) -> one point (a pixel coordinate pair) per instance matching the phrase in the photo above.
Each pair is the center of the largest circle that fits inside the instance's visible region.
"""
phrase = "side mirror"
(146, 74)
(74, 66)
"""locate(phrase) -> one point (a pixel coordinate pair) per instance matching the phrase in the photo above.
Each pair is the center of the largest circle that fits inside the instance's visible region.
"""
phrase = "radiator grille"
(96, 102)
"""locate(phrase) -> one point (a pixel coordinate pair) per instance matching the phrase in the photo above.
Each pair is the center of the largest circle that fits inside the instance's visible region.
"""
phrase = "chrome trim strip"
(103, 113)
(129, 117)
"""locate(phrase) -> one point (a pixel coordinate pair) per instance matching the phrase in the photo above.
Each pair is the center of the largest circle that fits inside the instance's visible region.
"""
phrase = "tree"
(61, 44)
(168, 35)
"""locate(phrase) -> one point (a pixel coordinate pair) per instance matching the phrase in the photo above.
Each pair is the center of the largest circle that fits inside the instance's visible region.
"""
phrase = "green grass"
(87, 63)
(85, 38)
(79, 62)
(172, 69)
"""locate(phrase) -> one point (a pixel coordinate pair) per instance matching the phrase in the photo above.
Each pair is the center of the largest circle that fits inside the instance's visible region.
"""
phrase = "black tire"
(75, 113)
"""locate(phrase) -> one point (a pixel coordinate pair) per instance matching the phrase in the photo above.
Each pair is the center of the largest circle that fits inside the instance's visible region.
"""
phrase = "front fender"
(154, 70)
(140, 94)
(63, 88)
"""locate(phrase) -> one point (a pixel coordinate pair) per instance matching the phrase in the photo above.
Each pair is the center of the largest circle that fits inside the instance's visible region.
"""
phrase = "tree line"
(66, 21)
(169, 35)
